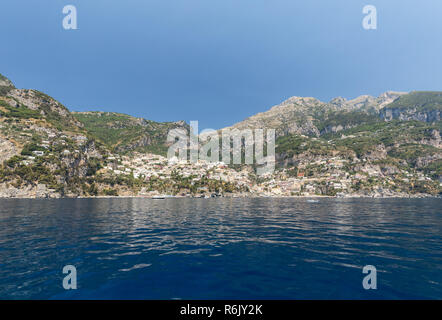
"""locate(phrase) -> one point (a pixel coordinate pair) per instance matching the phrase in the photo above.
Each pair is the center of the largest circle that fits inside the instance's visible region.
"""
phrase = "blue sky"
(217, 61)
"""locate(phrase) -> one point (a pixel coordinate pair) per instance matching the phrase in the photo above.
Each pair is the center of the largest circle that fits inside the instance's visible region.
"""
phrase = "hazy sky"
(217, 61)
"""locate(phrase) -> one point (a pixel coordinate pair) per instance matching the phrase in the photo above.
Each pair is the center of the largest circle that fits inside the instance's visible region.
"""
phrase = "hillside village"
(388, 146)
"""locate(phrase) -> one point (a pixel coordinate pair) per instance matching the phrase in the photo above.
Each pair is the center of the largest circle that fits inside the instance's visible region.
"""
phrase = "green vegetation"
(421, 100)
(345, 119)
(56, 113)
(122, 133)
(295, 144)
(412, 151)
(110, 192)
(20, 111)
(4, 90)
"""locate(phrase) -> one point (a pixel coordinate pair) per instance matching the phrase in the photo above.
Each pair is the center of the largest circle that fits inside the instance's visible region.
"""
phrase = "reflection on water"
(220, 248)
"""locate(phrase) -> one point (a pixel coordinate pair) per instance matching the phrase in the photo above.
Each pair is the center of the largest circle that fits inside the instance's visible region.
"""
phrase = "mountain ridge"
(367, 146)
(297, 114)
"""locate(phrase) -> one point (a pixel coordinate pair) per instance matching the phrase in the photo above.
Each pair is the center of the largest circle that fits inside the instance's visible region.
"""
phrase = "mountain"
(46, 150)
(309, 116)
(5, 85)
(122, 133)
(391, 137)
(295, 115)
(368, 146)
(365, 102)
(418, 105)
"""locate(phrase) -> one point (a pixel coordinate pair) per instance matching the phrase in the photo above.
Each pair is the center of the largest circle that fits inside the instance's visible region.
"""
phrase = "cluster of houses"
(331, 174)
(147, 166)
(54, 140)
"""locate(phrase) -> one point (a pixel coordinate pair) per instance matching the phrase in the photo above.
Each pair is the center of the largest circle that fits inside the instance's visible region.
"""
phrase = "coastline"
(419, 196)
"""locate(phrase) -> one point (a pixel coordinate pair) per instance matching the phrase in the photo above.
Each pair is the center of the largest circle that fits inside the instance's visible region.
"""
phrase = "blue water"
(221, 248)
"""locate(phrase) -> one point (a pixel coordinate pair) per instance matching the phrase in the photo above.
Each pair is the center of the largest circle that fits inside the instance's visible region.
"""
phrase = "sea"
(221, 248)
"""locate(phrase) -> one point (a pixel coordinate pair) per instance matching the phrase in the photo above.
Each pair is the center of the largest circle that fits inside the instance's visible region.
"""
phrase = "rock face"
(293, 116)
(5, 82)
(308, 116)
(5, 85)
(418, 105)
(7, 149)
(38, 191)
(45, 105)
(389, 114)
(434, 140)
(335, 128)
(377, 153)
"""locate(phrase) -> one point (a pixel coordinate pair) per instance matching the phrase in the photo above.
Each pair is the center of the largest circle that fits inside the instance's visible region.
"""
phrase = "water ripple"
(220, 248)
